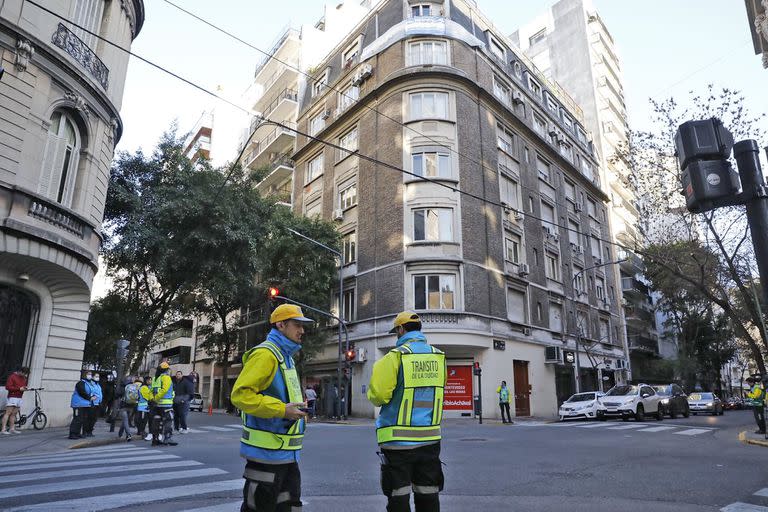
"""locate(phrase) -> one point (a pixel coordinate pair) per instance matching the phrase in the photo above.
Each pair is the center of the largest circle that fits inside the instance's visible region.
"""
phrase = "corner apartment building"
(60, 99)
(494, 232)
(570, 43)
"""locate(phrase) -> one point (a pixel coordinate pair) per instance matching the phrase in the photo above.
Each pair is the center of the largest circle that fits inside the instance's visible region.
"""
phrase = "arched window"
(18, 313)
(62, 151)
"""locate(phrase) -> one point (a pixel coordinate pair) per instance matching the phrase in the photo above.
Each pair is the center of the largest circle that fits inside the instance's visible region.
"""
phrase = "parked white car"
(582, 405)
(632, 401)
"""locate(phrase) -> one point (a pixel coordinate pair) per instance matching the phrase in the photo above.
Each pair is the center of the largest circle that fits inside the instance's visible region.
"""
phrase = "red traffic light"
(349, 355)
(273, 292)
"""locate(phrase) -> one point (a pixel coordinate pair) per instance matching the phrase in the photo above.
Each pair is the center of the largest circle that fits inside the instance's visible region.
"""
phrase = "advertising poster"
(458, 389)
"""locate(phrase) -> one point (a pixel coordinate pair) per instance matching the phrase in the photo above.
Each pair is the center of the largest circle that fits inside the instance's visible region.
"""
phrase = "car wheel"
(625, 418)
(640, 414)
(686, 412)
(722, 411)
(659, 414)
(672, 413)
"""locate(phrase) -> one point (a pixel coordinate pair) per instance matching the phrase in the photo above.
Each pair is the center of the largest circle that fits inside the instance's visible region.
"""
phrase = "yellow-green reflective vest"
(419, 372)
(286, 387)
(167, 399)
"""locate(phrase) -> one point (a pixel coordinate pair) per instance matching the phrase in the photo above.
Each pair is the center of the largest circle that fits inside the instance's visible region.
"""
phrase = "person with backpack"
(128, 394)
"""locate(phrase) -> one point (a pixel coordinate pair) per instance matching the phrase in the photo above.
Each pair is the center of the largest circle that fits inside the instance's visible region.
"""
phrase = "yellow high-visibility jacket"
(256, 376)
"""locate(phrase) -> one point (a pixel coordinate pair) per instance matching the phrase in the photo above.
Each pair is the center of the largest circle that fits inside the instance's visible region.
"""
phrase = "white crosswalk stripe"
(762, 492)
(656, 429)
(683, 430)
(217, 429)
(743, 507)
(221, 507)
(40, 482)
(625, 427)
(693, 431)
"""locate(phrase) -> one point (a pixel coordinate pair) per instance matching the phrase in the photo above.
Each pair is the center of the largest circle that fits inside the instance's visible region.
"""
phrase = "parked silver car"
(705, 402)
(196, 404)
(632, 401)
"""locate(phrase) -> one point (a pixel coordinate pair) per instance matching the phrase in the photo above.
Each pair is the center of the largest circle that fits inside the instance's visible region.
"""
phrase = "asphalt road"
(694, 464)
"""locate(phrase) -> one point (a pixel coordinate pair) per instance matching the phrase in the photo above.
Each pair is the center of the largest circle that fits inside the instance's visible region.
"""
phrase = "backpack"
(131, 396)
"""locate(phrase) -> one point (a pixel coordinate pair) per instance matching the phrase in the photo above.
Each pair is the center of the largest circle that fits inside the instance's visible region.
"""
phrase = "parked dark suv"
(674, 400)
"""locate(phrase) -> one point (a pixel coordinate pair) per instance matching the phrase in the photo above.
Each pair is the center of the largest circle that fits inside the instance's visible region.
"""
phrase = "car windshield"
(198, 396)
(662, 390)
(622, 391)
(700, 396)
(582, 397)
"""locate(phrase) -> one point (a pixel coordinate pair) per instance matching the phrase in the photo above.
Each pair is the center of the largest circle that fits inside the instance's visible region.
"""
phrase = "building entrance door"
(522, 389)
(17, 311)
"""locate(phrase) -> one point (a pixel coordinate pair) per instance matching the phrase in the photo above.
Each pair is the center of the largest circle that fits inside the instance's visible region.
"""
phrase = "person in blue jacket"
(93, 412)
(82, 404)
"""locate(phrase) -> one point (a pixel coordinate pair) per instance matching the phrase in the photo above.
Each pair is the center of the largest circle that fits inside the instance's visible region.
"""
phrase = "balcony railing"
(78, 50)
(644, 343)
(58, 217)
(260, 146)
(286, 32)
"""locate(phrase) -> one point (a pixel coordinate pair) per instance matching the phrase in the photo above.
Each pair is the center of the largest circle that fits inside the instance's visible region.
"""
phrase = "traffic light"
(703, 148)
(476, 370)
(122, 349)
(273, 293)
(350, 354)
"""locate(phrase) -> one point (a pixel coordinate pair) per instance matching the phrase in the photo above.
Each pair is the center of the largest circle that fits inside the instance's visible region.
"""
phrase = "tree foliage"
(700, 257)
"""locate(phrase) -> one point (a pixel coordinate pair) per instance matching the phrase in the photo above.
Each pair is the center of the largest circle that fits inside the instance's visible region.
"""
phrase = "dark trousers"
(271, 487)
(91, 415)
(180, 412)
(161, 423)
(759, 417)
(79, 419)
(140, 419)
(419, 469)
(504, 406)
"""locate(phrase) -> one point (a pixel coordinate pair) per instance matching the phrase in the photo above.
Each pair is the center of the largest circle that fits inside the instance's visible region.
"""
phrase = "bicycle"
(38, 417)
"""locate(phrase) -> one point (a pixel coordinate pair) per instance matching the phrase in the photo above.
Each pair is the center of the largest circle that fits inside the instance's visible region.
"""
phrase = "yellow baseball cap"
(404, 318)
(285, 312)
(164, 365)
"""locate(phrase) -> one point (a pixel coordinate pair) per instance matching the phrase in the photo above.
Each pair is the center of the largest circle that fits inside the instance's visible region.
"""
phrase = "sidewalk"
(749, 437)
(53, 440)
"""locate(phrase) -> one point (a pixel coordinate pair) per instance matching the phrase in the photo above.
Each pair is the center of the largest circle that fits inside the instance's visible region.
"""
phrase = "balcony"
(282, 106)
(644, 344)
(640, 317)
(632, 285)
(280, 171)
(287, 40)
(277, 142)
(79, 51)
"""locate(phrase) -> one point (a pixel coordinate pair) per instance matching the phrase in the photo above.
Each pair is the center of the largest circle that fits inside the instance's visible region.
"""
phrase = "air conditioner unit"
(338, 214)
(360, 355)
(553, 355)
(579, 206)
(523, 269)
(526, 331)
(517, 98)
(326, 114)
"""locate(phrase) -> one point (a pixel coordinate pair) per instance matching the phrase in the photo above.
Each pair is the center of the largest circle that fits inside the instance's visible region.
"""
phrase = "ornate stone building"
(757, 15)
(60, 96)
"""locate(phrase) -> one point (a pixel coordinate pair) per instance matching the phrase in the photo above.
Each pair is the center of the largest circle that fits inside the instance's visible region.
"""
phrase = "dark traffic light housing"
(703, 148)
(350, 355)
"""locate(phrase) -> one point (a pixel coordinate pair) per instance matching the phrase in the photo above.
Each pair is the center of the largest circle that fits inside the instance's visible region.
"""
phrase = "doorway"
(522, 389)
(18, 312)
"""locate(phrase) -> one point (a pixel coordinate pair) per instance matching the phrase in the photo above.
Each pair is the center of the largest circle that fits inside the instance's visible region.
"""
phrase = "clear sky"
(667, 47)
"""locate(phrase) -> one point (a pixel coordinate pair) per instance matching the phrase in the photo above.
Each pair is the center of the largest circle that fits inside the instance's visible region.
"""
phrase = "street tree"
(671, 237)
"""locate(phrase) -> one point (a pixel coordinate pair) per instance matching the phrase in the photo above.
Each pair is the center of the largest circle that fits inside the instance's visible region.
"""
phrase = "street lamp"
(342, 325)
(577, 377)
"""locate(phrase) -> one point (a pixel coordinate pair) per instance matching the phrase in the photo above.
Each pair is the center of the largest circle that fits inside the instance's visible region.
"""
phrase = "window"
(573, 233)
(350, 55)
(539, 314)
(313, 208)
(315, 168)
(510, 193)
(600, 288)
(433, 224)
(502, 91)
(555, 317)
(348, 196)
(508, 165)
(432, 164)
(586, 169)
(565, 150)
(60, 160)
(319, 85)
(88, 14)
(505, 139)
(517, 310)
(424, 10)
(582, 323)
(434, 291)
(427, 52)
(539, 124)
(317, 123)
(349, 248)
(496, 48)
(570, 191)
(552, 266)
(551, 103)
(348, 96)
(543, 168)
(536, 256)
(538, 36)
(581, 135)
(578, 274)
(348, 142)
(430, 105)
(534, 87)
(512, 252)
(349, 311)
(595, 246)
(567, 121)
(592, 209)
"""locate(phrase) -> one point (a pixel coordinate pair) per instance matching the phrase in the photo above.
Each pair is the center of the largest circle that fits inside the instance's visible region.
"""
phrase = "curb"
(756, 442)
(97, 442)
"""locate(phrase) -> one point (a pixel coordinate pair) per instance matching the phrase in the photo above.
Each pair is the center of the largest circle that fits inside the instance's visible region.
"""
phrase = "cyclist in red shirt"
(16, 385)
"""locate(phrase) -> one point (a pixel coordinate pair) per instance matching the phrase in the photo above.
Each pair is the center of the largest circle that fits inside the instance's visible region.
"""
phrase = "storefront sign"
(458, 389)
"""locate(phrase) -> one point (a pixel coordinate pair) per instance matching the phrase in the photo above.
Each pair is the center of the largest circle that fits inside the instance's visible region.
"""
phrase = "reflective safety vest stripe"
(418, 371)
(265, 439)
(157, 384)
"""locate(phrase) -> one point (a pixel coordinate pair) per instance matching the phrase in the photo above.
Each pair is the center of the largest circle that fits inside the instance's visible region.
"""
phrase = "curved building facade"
(61, 92)
(514, 283)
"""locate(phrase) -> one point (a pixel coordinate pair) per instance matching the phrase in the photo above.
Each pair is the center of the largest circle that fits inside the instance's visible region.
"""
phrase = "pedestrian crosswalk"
(649, 428)
(741, 506)
(105, 478)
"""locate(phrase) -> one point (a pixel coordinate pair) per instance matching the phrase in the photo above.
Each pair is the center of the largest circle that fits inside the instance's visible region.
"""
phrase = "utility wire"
(505, 207)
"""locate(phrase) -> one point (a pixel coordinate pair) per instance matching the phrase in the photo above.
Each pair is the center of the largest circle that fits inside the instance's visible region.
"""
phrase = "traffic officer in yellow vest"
(161, 406)
(268, 393)
(408, 383)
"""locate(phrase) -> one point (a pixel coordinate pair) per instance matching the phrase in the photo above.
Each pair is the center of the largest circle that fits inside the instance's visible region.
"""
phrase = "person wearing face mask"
(81, 403)
(93, 413)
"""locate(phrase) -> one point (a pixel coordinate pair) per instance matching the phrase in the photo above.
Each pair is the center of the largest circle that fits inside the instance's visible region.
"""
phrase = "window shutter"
(69, 187)
(53, 159)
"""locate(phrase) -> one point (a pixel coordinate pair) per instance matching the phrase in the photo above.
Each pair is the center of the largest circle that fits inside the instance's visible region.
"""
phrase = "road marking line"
(105, 482)
(75, 455)
(655, 429)
(743, 507)
(100, 449)
(218, 429)
(693, 431)
(762, 492)
(625, 427)
(233, 506)
(591, 425)
(89, 471)
(111, 501)
(235, 425)
(149, 455)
